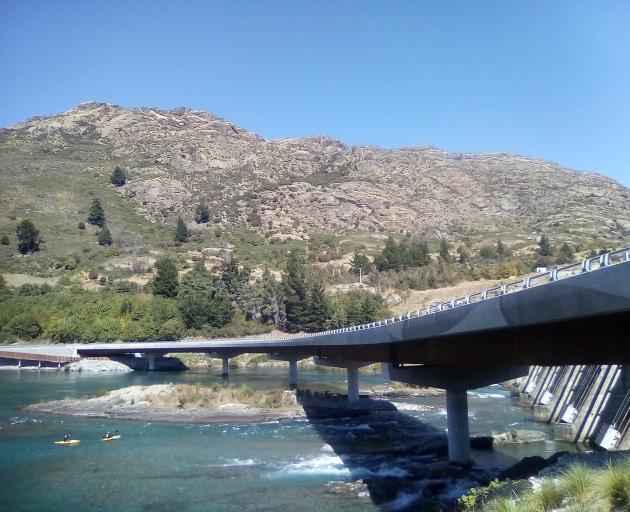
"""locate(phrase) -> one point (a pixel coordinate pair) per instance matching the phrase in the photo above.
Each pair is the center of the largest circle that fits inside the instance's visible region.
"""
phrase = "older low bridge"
(577, 314)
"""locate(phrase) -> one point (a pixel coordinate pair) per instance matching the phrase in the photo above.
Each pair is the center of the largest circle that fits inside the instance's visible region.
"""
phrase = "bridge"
(576, 314)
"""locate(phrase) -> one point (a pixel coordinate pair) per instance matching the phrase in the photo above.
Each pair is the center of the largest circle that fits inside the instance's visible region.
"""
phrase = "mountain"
(50, 167)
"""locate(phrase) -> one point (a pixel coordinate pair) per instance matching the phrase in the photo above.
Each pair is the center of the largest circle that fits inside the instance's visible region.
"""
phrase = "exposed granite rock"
(294, 186)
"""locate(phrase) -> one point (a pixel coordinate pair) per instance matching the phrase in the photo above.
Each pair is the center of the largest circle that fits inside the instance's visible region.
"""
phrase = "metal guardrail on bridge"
(573, 269)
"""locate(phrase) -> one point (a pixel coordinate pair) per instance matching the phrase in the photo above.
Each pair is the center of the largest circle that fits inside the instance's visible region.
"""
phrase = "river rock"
(97, 366)
(519, 436)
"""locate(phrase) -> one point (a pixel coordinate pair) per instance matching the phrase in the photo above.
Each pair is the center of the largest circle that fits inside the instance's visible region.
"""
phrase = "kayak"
(70, 441)
(111, 438)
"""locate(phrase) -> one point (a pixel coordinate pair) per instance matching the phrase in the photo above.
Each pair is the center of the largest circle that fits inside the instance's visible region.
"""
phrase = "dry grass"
(188, 396)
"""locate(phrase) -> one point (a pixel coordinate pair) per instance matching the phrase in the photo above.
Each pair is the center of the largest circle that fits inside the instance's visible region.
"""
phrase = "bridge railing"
(555, 274)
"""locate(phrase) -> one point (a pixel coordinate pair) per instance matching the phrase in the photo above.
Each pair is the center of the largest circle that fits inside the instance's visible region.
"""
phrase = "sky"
(544, 79)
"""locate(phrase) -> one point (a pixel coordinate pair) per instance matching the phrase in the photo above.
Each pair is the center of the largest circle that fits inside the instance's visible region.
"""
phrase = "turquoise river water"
(273, 466)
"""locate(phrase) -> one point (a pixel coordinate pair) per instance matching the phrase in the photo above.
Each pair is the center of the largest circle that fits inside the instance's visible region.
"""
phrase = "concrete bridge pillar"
(353, 383)
(352, 372)
(225, 369)
(456, 380)
(293, 373)
(151, 358)
(458, 432)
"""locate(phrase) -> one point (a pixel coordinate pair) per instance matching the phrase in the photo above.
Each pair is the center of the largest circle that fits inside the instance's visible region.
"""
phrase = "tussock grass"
(578, 489)
(614, 486)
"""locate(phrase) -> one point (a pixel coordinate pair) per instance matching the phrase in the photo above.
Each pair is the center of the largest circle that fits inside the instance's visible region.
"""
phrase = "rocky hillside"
(49, 166)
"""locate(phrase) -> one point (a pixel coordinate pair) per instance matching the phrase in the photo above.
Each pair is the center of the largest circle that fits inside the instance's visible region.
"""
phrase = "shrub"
(105, 237)
(118, 177)
(93, 274)
(5, 240)
(96, 214)
(25, 325)
(82, 225)
(28, 237)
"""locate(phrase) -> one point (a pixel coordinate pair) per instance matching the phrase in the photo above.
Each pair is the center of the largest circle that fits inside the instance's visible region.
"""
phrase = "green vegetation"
(166, 282)
(28, 237)
(202, 212)
(118, 177)
(181, 231)
(577, 488)
(104, 236)
(204, 299)
(402, 255)
(5, 240)
(96, 214)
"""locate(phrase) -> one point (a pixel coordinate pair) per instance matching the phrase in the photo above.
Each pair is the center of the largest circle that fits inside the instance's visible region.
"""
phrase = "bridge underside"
(600, 339)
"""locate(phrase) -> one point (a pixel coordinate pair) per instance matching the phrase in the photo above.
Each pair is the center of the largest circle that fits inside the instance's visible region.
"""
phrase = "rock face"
(287, 188)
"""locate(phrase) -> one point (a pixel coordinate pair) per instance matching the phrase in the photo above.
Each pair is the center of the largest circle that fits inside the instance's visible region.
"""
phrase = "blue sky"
(538, 78)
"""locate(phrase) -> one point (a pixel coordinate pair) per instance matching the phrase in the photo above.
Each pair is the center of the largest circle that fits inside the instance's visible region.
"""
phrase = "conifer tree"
(544, 246)
(5, 240)
(166, 282)
(28, 237)
(360, 264)
(272, 307)
(316, 314)
(181, 231)
(96, 214)
(195, 294)
(4, 290)
(104, 236)
(565, 254)
(118, 177)
(221, 311)
(418, 253)
(202, 212)
(294, 292)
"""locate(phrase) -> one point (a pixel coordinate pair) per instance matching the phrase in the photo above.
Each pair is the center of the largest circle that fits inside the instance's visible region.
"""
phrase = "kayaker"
(66, 437)
(107, 435)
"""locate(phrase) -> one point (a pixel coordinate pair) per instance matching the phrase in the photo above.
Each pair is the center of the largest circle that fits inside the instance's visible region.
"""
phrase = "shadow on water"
(403, 461)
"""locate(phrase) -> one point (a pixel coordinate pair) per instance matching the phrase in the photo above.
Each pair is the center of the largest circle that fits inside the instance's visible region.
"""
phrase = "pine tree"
(272, 307)
(221, 311)
(195, 294)
(104, 236)
(28, 237)
(4, 290)
(234, 279)
(118, 177)
(316, 314)
(565, 254)
(181, 232)
(202, 212)
(544, 246)
(5, 240)
(418, 253)
(391, 255)
(96, 215)
(360, 264)
(294, 292)
(165, 282)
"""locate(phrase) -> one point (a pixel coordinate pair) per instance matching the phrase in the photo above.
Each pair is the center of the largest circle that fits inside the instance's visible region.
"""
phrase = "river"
(269, 466)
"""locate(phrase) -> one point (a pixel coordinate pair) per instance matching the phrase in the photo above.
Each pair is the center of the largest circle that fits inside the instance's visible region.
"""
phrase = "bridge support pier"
(458, 432)
(293, 373)
(293, 366)
(456, 380)
(151, 358)
(353, 383)
(352, 372)
(225, 368)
